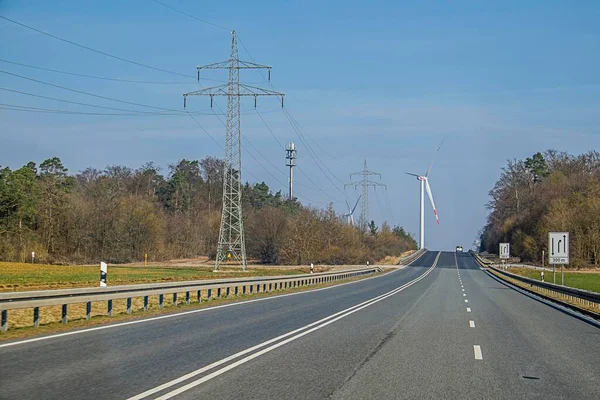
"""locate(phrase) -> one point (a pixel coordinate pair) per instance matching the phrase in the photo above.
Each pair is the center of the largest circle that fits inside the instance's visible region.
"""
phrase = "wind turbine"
(350, 215)
(424, 179)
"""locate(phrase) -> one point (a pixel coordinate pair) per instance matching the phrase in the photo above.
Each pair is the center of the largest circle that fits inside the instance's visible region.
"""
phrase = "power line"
(94, 50)
(89, 94)
(314, 156)
(387, 200)
(91, 105)
(101, 77)
(299, 133)
(251, 59)
(15, 107)
(191, 16)
(298, 167)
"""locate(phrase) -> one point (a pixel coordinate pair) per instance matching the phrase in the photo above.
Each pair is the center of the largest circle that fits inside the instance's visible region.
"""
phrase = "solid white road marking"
(472, 324)
(468, 309)
(477, 351)
(328, 320)
(140, 321)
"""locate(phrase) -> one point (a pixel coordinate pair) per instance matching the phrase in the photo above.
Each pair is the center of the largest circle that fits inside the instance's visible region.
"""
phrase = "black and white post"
(103, 274)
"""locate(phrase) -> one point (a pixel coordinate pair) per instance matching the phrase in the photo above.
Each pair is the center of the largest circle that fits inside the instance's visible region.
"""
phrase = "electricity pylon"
(365, 183)
(231, 234)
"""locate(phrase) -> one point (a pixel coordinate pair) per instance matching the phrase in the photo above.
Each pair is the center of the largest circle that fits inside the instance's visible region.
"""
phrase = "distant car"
(459, 249)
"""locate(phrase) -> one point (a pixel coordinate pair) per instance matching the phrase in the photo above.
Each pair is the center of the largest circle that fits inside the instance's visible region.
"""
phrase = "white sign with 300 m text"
(558, 247)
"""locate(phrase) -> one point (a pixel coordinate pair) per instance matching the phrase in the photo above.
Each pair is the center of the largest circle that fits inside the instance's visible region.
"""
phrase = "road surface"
(439, 328)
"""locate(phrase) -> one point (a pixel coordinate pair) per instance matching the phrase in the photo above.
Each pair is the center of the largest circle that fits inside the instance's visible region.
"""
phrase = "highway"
(439, 328)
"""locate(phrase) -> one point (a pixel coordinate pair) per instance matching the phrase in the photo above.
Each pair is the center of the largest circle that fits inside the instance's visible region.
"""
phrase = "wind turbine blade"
(352, 212)
(434, 157)
(408, 173)
(431, 199)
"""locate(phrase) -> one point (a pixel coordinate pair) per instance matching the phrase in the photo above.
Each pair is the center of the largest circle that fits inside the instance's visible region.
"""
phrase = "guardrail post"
(199, 296)
(187, 297)
(218, 293)
(235, 291)
(264, 287)
(174, 299)
(145, 303)
(251, 289)
(4, 322)
(161, 301)
(109, 308)
(270, 287)
(227, 291)
(244, 290)
(88, 310)
(129, 305)
(64, 314)
(209, 294)
(36, 317)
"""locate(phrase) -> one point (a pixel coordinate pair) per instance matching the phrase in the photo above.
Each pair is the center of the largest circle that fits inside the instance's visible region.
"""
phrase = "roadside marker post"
(103, 274)
(33, 257)
(558, 251)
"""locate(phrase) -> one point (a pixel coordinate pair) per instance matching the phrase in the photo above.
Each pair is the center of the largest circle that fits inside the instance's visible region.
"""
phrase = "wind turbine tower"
(365, 183)
(424, 180)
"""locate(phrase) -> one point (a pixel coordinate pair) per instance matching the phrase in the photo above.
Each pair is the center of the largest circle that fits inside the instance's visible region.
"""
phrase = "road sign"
(504, 250)
(558, 247)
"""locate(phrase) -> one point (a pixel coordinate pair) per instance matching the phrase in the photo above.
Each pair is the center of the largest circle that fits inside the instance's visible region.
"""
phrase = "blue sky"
(386, 81)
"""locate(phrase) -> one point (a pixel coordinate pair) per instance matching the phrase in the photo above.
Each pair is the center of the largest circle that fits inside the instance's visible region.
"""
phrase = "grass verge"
(20, 321)
(579, 280)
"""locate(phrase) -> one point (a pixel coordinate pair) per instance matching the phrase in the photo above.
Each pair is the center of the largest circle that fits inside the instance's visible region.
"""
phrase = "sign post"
(558, 251)
(103, 273)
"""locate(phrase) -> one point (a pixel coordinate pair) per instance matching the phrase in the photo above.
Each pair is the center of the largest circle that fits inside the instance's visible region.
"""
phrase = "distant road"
(440, 328)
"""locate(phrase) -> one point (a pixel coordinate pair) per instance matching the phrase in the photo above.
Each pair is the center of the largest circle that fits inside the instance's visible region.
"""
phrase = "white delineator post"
(103, 273)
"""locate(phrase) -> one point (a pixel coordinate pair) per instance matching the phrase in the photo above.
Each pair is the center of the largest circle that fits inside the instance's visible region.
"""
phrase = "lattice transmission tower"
(365, 183)
(232, 245)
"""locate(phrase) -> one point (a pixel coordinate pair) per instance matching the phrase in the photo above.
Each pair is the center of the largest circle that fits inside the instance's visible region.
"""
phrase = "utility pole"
(290, 161)
(231, 234)
(365, 183)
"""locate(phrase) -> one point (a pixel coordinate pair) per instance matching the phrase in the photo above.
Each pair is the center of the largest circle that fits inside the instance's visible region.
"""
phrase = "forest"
(553, 191)
(118, 214)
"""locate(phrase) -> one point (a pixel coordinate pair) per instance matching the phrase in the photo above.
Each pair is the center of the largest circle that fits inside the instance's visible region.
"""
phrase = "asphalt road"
(408, 334)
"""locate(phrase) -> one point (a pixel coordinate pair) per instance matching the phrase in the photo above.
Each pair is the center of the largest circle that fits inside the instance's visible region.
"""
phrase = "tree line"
(553, 191)
(118, 214)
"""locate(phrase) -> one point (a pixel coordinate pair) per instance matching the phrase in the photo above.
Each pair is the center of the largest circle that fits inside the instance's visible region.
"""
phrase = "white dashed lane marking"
(472, 324)
(477, 351)
(468, 309)
(466, 301)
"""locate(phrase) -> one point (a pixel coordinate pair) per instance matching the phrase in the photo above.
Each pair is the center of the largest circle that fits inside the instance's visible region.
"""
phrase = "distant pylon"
(231, 234)
(290, 161)
(365, 183)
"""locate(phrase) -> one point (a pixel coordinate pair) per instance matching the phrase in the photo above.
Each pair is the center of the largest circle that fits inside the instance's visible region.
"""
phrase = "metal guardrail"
(218, 287)
(408, 259)
(555, 292)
